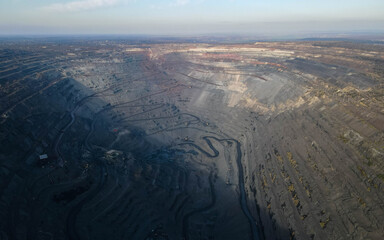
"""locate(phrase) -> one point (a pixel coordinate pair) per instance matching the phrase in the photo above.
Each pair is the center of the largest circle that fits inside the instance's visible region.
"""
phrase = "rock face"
(191, 141)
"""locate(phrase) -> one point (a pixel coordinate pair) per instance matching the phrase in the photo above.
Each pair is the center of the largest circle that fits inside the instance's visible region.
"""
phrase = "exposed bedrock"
(111, 140)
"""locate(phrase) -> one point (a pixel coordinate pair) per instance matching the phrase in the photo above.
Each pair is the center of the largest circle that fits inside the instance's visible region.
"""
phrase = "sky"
(190, 17)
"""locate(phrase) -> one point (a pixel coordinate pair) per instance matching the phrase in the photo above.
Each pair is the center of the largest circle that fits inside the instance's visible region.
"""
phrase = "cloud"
(156, 7)
(80, 5)
(186, 2)
(180, 2)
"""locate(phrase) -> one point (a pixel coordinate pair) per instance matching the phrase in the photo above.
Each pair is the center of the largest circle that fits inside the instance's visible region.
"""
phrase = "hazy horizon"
(190, 17)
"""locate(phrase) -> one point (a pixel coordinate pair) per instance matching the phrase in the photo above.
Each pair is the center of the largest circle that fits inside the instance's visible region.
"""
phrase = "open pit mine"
(126, 140)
